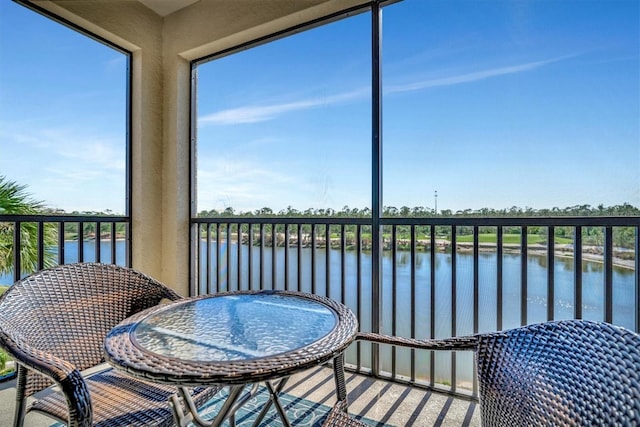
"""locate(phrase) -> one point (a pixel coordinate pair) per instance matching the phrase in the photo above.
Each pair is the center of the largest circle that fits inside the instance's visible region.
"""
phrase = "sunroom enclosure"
(396, 272)
(430, 275)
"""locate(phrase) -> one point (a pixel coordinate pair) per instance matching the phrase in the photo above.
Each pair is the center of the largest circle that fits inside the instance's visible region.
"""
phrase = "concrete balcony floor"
(380, 401)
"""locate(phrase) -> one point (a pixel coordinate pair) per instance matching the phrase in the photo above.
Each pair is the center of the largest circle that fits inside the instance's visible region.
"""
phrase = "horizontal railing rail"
(48, 240)
(617, 221)
(439, 276)
(596, 221)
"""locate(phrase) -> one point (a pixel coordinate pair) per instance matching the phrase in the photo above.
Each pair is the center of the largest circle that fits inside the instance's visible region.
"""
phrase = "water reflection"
(400, 290)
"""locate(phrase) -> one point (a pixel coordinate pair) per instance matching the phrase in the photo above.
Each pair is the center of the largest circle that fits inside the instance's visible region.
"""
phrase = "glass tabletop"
(234, 327)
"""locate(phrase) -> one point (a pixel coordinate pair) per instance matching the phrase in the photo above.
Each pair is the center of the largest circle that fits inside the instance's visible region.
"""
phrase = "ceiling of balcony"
(166, 7)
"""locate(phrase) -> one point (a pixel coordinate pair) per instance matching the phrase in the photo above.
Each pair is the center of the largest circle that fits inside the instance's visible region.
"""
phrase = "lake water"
(592, 281)
(592, 289)
(89, 247)
(592, 284)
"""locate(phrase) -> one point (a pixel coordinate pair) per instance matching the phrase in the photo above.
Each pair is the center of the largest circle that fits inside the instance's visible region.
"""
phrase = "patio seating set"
(104, 345)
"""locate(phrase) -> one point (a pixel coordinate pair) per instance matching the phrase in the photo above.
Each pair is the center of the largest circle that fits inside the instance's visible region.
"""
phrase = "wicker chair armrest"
(454, 343)
(63, 373)
(38, 360)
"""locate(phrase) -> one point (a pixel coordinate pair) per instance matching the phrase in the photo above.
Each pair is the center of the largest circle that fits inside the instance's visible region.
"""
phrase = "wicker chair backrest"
(68, 310)
(560, 373)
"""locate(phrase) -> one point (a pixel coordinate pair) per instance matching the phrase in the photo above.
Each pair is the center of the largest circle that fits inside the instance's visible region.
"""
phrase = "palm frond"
(15, 200)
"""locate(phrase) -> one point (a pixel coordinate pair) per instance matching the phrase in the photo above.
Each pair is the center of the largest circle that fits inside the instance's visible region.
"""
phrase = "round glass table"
(232, 339)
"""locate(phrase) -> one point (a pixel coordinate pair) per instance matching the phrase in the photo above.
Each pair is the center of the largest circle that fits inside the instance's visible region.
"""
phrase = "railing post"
(432, 301)
(577, 272)
(376, 182)
(636, 248)
(454, 297)
(608, 274)
(81, 241)
(229, 284)
(261, 271)
(327, 260)
(313, 258)
(112, 233)
(551, 250)
(41, 248)
(499, 278)
(16, 250)
(61, 243)
(286, 256)
(524, 259)
(97, 239)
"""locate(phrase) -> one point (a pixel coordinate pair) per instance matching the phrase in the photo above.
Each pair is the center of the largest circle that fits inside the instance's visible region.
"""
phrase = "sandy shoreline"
(622, 258)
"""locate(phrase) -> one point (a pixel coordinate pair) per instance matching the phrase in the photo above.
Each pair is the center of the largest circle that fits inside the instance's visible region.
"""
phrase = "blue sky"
(62, 113)
(491, 103)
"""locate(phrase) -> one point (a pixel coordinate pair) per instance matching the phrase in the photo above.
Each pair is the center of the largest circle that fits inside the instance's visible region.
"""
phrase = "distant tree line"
(89, 229)
(623, 236)
(625, 209)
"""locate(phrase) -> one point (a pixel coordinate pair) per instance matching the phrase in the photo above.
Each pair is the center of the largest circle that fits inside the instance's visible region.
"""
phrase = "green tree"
(14, 200)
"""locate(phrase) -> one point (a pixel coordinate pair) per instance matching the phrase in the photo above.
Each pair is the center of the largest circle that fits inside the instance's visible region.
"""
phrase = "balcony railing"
(437, 277)
(504, 272)
(62, 239)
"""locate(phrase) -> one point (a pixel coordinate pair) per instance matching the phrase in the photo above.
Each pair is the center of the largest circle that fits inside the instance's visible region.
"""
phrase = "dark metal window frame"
(374, 7)
(129, 118)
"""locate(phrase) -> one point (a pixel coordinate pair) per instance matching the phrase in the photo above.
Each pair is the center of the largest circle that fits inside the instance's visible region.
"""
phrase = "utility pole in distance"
(436, 198)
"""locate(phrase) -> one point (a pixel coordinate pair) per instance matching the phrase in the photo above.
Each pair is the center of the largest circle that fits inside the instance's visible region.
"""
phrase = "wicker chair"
(568, 372)
(53, 324)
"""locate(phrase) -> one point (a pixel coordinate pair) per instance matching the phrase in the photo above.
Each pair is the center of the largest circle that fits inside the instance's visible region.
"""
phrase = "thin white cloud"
(261, 113)
(236, 178)
(470, 77)
(98, 151)
(117, 63)
(68, 168)
(246, 185)
(76, 176)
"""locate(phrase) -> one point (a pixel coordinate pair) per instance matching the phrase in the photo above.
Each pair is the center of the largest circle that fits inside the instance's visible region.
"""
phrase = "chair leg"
(341, 384)
(18, 419)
